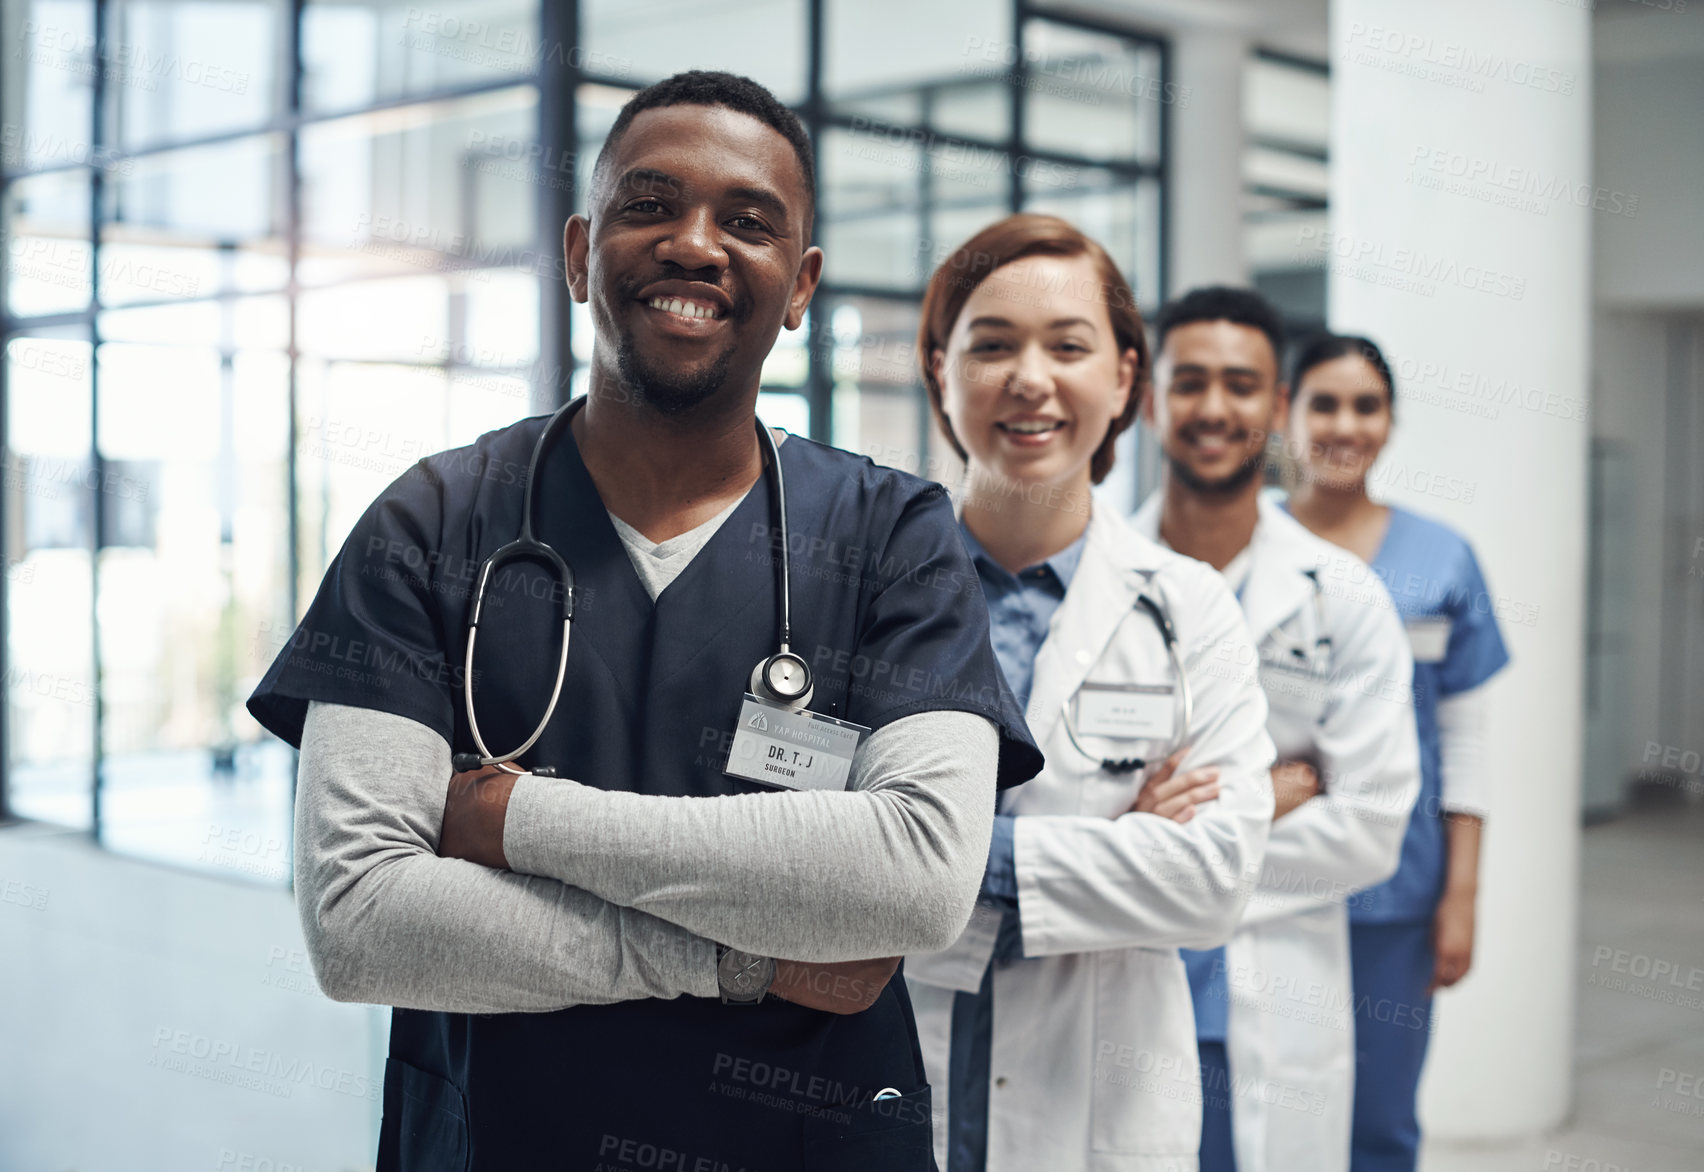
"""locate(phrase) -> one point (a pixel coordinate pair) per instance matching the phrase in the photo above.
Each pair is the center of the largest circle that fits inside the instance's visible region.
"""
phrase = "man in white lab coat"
(1273, 1008)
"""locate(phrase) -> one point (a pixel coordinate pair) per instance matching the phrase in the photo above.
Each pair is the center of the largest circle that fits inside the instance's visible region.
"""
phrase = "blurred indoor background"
(262, 255)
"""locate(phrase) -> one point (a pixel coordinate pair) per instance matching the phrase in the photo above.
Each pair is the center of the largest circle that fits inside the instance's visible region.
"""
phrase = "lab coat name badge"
(1125, 711)
(779, 747)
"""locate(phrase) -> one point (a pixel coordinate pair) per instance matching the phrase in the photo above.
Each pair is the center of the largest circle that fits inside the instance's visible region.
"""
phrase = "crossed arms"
(615, 896)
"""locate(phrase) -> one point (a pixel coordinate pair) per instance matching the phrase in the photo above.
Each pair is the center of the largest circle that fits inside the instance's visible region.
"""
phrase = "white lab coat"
(1290, 1035)
(1094, 1065)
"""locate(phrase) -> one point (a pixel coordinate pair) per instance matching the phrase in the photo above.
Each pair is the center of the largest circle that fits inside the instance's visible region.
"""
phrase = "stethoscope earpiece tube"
(523, 546)
(792, 669)
(798, 692)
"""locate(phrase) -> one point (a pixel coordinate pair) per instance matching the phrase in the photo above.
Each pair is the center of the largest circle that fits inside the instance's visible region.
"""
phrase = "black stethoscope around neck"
(782, 678)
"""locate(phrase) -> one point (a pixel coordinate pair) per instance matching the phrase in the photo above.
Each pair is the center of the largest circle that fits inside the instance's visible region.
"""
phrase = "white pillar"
(1205, 204)
(1474, 276)
(1206, 147)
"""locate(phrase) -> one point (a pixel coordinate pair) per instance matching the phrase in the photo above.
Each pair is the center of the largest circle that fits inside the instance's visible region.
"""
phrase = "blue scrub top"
(1431, 573)
(889, 613)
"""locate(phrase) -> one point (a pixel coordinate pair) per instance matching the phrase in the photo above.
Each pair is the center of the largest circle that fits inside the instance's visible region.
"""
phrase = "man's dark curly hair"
(702, 87)
(1244, 307)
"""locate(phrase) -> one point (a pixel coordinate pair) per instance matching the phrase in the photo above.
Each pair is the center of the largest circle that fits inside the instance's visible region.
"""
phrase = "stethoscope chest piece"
(784, 678)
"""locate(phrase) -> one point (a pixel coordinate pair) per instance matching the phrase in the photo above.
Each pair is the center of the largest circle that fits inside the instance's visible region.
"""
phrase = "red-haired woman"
(1060, 1024)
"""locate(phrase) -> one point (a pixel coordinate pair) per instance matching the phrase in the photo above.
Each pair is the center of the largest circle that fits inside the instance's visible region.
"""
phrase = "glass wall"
(261, 256)
(1286, 179)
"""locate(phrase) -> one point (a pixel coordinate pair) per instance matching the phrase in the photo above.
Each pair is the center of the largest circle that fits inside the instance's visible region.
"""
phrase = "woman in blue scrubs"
(1412, 934)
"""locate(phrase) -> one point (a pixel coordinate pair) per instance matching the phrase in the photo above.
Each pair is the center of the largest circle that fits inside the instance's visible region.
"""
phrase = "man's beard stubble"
(669, 391)
(1224, 485)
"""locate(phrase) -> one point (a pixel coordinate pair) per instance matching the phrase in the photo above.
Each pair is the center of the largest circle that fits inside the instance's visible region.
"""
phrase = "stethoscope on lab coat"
(1180, 721)
(1299, 650)
(783, 678)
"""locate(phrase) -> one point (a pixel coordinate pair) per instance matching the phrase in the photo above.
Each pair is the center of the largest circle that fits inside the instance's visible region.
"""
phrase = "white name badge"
(776, 746)
(1125, 711)
(1429, 637)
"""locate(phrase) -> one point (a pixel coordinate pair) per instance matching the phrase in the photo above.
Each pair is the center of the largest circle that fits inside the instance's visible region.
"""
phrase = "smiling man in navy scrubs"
(647, 961)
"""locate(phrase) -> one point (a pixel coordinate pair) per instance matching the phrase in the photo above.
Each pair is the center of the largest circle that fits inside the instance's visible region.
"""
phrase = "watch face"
(744, 973)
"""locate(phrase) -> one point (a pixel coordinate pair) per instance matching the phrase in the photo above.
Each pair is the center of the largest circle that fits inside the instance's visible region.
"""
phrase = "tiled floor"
(1639, 1059)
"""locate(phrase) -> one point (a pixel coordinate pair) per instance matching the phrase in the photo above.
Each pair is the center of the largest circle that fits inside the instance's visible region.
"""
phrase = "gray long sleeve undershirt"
(889, 867)
(389, 922)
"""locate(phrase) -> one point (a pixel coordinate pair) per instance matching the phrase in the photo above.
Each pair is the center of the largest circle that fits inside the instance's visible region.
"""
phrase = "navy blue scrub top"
(890, 615)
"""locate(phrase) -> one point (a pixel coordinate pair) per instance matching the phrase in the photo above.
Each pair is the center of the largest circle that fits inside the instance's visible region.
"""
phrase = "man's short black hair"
(705, 87)
(1244, 307)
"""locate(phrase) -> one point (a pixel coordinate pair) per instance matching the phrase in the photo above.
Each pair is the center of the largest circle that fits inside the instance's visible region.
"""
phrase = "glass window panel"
(360, 426)
(1271, 242)
(45, 98)
(182, 597)
(976, 109)
(864, 171)
(1286, 172)
(1150, 246)
(484, 400)
(357, 54)
(1284, 102)
(581, 332)
(239, 322)
(50, 688)
(869, 222)
(790, 412)
(878, 47)
(1286, 111)
(192, 323)
(133, 272)
(1105, 207)
(762, 39)
(961, 171)
(502, 317)
(1091, 94)
(878, 402)
(48, 525)
(598, 107)
(181, 70)
(171, 228)
(952, 227)
(399, 191)
(394, 319)
(883, 251)
(44, 221)
(160, 403)
(260, 268)
(789, 363)
(888, 108)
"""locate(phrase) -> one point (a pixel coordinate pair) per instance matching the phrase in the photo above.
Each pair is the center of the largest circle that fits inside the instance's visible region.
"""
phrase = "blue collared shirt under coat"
(1020, 610)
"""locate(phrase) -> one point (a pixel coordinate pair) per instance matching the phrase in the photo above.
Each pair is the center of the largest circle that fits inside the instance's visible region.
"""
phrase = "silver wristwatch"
(743, 977)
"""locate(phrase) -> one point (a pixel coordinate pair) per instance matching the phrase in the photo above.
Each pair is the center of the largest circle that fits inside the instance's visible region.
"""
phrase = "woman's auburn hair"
(1013, 238)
